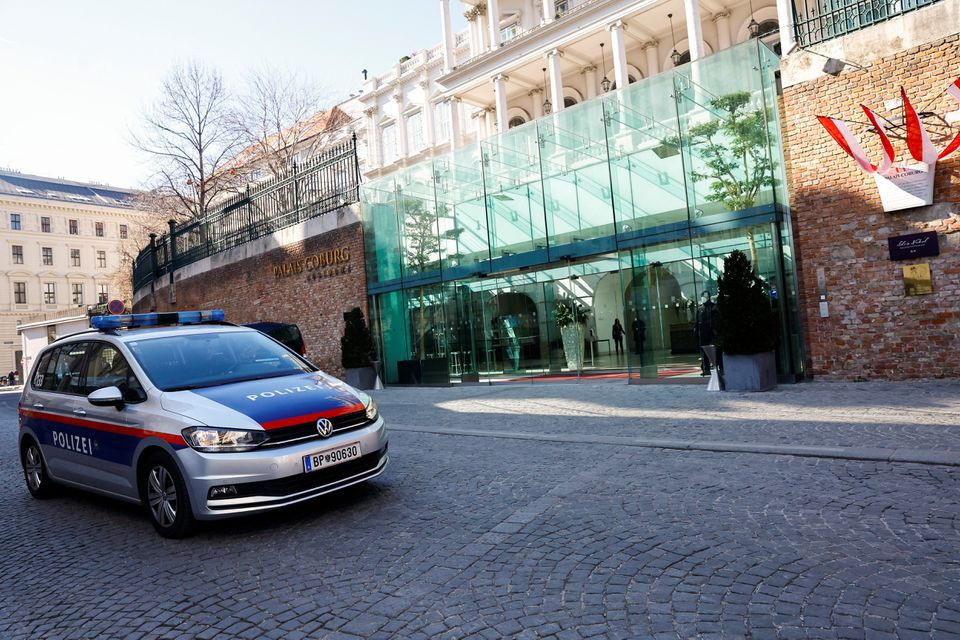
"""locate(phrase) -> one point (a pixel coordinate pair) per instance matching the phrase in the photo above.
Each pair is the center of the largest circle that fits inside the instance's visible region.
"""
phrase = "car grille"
(305, 481)
(307, 431)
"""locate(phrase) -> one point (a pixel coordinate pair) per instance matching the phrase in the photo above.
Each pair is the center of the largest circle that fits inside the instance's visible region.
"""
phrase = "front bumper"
(271, 478)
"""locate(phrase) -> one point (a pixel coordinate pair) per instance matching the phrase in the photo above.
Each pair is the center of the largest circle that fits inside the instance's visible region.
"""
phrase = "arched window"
(568, 101)
(770, 34)
(516, 121)
(630, 80)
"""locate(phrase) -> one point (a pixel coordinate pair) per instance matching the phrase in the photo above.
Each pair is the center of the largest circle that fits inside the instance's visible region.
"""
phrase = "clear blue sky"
(75, 75)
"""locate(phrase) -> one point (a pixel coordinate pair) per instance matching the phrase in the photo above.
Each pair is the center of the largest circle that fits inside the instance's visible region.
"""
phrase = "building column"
(373, 137)
(590, 79)
(430, 136)
(785, 18)
(536, 103)
(620, 75)
(488, 122)
(556, 79)
(471, 17)
(401, 128)
(549, 10)
(691, 11)
(456, 139)
(500, 101)
(447, 31)
(722, 20)
(483, 28)
(493, 21)
(651, 49)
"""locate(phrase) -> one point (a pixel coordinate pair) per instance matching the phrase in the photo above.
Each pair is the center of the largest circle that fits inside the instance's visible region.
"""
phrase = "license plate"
(330, 457)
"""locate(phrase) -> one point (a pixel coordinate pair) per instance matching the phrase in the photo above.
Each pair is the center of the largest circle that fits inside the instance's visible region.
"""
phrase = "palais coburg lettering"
(330, 262)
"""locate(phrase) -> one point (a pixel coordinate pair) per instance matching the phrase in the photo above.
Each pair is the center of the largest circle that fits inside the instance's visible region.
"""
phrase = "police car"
(194, 418)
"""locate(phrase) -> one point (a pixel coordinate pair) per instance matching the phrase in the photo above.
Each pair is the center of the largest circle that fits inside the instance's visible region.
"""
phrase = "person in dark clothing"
(706, 321)
(10, 377)
(617, 333)
(639, 329)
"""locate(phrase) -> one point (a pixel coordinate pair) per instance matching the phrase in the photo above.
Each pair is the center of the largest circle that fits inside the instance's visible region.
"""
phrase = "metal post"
(172, 259)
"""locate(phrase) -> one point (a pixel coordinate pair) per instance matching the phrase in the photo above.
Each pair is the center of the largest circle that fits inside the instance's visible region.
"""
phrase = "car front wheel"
(35, 472)
(165, 495)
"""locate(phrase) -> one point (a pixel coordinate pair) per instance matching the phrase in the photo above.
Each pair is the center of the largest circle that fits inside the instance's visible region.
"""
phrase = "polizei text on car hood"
(270, 403)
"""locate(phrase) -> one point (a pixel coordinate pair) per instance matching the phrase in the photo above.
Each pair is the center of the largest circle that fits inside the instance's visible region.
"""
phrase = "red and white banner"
(901, 185)
(954, 91)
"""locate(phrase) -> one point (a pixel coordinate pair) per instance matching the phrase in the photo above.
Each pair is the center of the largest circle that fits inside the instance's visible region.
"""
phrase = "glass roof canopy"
(687, 152)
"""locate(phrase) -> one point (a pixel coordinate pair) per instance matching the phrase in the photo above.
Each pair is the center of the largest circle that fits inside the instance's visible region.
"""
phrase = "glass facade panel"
(462, 212)
(576, 178)
(724, 135)
(511, 167)
(649, 188)
(588, 242)
(381, 244)
(417, 213)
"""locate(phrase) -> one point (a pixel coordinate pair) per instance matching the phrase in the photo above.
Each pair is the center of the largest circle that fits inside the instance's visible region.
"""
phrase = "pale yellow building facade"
(60, 250)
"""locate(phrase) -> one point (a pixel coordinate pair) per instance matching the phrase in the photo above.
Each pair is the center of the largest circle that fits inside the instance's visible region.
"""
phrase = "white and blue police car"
(194, 418)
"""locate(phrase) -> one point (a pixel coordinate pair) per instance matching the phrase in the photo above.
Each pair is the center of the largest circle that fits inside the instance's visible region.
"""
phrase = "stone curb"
(875, 454)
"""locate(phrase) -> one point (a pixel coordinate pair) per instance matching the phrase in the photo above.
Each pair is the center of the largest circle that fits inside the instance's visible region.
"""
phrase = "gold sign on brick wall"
(330, 262)
(917, 280)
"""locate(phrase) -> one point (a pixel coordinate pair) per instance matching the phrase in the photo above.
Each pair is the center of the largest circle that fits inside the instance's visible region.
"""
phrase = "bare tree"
(190, 135)
(280, 117)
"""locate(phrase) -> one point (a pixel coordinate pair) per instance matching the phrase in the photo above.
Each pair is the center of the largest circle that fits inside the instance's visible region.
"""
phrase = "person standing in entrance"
(706, 321)
(639, 335)
(617, 333)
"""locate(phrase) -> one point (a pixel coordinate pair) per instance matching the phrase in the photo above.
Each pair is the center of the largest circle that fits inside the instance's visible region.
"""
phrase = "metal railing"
(821, 20)
(323, 183)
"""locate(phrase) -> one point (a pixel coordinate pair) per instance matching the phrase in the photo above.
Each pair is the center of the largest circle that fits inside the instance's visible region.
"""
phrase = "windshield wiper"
(217, 383)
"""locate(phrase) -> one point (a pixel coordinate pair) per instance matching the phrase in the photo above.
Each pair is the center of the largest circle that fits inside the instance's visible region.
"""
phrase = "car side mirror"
(106, 397)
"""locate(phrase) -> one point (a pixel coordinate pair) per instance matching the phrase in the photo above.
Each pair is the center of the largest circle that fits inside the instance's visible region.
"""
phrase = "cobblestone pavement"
(484, 537)
(917, 415)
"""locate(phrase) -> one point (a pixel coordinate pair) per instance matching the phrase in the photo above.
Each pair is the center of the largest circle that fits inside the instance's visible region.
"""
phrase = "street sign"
(115, 307)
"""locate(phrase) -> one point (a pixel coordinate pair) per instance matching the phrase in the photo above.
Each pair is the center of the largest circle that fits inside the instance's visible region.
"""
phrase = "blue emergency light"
(156, 319)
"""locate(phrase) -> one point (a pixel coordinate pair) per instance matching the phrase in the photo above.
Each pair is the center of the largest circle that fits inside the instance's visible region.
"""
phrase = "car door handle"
(38, 406)
(79, 412)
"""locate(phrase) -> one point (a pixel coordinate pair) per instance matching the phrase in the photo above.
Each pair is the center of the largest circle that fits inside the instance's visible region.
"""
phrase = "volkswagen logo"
(324, 427)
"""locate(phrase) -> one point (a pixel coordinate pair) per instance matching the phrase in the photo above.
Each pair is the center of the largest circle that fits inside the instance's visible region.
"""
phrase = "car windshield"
(176, 363)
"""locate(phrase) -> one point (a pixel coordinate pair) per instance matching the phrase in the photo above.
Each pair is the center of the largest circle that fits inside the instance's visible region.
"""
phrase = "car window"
(63, 373)
(207, 359)
(44, 367)
(106, 367)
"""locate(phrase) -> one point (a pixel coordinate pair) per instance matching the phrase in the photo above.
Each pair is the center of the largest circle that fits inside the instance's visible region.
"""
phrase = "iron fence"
(821, 20)
(322, 184)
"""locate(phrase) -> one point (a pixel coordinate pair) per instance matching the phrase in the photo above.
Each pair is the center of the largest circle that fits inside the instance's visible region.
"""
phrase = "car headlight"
(372, 410)
(222, 440)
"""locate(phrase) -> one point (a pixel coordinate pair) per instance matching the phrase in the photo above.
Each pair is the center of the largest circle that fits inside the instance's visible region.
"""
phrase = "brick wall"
(874, 331)
(315, 284)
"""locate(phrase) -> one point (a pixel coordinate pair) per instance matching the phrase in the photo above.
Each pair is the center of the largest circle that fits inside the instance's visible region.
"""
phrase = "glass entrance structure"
(618, 210)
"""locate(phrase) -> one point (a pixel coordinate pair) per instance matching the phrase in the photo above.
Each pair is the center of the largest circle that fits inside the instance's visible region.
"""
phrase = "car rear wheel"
(165, 495)
(35, 472)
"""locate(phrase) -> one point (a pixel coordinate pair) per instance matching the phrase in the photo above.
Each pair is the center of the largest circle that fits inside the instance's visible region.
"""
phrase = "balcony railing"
(322, 184)
(821, 20)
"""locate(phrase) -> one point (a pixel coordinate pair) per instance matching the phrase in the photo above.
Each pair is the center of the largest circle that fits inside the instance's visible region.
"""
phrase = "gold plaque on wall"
(917, 280)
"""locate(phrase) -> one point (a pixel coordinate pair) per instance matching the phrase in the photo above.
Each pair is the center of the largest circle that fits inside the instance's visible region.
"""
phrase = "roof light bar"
(155, 319)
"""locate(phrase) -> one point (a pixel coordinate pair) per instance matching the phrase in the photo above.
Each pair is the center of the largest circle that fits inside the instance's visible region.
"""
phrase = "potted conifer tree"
(356, 351)
(746, 331)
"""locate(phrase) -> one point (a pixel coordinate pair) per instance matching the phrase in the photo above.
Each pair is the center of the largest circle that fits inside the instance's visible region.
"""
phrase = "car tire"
(35, 473)
(165, 496)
